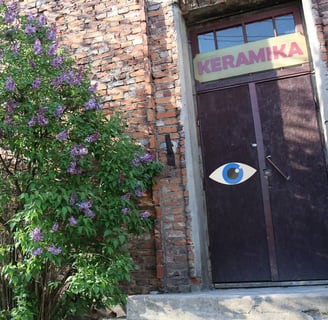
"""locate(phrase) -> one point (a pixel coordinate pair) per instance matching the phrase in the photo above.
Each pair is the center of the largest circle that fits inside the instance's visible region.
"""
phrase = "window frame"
(242, 20)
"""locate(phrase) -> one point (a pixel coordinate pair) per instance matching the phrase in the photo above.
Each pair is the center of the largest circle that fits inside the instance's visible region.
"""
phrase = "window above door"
(252, 28)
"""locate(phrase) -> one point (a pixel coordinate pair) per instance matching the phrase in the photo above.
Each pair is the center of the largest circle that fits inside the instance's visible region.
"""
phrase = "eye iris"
(232, 173)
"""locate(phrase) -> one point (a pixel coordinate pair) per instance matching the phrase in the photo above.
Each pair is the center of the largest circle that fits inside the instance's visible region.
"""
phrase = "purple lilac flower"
(79, 150)
(30, 29)
(58, 81)
(42, 120)
(55, 227)
(74, 78)
(59, 111)
(62, 136)
(72, 169)
(53, 49)
(71, 78)
(37, 46)
(125, 211)
(30, 16)
(126, 196)
(10, 84)
(57, 61)
(136, 162)
(93, 88)
(51, 34)
(147, 157)
(52, 249)
(11, 106)
(42, 20)
(36, 234)
(89, 213)
(84, 205)
(36, 83)
(16, 49)
(32, 64)
(8, 119)
(92, 104)
(72, 221)
(72, 199)
(11, 13)
(94, 137)
(37, 252)
(138, 159)
(139, 192)
(13, 7)
(145, 215)
(32, 122)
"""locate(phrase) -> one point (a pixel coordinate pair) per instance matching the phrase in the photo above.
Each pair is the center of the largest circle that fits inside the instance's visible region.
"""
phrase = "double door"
(272, 226)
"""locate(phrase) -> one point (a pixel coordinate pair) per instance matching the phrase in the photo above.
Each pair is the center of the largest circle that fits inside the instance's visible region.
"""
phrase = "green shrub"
(71, 180)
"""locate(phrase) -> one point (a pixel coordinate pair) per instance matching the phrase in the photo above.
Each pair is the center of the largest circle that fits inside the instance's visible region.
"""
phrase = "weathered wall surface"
(320, 9)
(174, 243)
(131, 47)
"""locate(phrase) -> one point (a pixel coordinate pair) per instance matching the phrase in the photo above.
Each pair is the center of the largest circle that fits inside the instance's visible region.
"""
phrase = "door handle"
(276, 167)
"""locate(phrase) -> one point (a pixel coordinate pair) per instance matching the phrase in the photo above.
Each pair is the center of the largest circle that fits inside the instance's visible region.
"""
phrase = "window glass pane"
(230, 37)
(259, 30)
(285, 24)
(206, 42)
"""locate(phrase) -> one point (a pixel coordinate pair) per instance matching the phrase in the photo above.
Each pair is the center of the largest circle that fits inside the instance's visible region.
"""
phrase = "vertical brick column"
(174, 248)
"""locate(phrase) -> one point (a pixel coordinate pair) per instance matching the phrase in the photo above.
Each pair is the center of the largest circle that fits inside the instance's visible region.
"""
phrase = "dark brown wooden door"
(299, 205)
(273, 226)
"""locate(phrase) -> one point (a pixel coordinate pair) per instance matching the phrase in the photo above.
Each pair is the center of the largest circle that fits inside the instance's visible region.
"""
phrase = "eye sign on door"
(232, 173)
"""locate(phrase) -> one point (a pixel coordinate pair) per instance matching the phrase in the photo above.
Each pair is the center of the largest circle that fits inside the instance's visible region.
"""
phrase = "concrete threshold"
(273, 303)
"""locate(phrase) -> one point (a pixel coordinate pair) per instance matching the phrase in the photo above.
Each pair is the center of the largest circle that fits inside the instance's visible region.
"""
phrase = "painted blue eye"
(232, 173)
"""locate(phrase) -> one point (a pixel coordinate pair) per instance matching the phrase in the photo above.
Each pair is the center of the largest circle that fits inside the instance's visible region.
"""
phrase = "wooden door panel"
(299, 205)
(236, 225)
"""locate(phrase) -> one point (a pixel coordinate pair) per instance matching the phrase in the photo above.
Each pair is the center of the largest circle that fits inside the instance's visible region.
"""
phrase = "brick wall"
(131, 47)
(321, 9)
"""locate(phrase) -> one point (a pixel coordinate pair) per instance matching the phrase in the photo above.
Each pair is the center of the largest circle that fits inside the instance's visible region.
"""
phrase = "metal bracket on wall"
(169, 151)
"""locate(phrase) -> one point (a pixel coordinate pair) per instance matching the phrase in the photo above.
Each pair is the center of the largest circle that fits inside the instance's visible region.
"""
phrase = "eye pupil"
(233, 173)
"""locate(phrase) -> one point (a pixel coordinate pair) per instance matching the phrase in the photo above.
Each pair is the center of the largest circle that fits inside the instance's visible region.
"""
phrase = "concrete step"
(292, 303)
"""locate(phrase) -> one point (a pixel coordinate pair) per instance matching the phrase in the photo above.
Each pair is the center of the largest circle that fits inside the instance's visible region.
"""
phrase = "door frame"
(263, 76)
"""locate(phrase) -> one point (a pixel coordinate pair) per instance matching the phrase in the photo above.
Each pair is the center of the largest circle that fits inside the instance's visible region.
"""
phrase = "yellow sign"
(268, 54)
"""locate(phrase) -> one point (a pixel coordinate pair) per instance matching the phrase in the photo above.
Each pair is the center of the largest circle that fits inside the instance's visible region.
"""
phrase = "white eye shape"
(232, 173)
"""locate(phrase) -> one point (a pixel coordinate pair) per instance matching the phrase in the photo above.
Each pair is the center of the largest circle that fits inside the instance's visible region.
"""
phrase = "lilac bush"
(71, 180)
